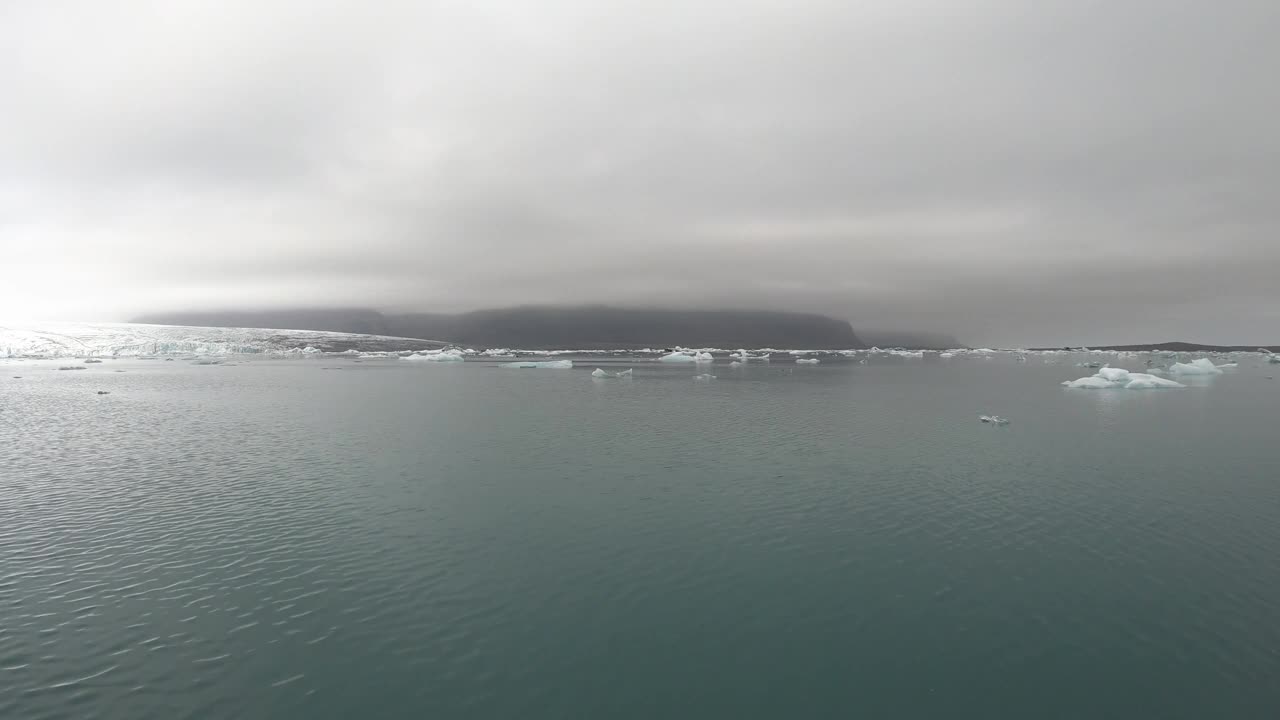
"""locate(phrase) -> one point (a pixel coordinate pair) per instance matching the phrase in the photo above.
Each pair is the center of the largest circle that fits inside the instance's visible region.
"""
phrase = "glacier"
(87, 340)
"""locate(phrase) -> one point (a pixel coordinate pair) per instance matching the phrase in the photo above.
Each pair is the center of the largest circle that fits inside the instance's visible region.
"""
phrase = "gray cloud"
(1011, 172)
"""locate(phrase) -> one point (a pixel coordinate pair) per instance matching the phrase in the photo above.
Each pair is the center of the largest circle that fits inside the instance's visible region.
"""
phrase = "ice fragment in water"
(705, 377)
(807, 361)
(704, 357)
(994, 419)
(599, 373)
(677, 357)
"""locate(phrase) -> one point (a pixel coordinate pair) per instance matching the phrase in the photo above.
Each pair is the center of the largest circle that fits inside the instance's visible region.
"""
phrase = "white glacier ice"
(807, 361)
(1109, 378)
(600, 373)
(62, 340)
(705, 377)
(1201, 366)
(542, 365)
(439, 356)
(704, 357)
(678, 357)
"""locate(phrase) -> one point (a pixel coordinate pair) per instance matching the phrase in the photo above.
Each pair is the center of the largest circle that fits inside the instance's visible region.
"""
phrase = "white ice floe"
(807, 361)
(745, 356)
(539, 365)
(678, 357)
(438, 356)
(735, 364)
(946, 355)
(705, 377)
(704, 357)
(994, 419)
(1202, 366)
(1109, 378)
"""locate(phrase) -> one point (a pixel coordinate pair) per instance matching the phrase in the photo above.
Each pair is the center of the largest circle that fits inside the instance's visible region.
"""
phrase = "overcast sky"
(1013, 172)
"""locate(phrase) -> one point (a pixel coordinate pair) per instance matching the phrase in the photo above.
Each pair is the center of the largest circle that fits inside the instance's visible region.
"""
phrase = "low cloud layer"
(1010, 172)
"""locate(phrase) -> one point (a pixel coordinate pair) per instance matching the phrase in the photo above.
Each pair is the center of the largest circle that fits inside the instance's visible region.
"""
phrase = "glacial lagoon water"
(326, 538)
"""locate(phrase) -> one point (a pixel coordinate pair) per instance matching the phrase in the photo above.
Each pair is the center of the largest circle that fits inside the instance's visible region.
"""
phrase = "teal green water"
(276, 539)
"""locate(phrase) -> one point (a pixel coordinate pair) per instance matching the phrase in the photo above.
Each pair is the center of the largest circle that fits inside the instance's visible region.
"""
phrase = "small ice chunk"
(599, 373)
(994, 419)
(677, 357)
(807, 361)
(704, 377)
(735, 364)
(704, 357)
(543, 365)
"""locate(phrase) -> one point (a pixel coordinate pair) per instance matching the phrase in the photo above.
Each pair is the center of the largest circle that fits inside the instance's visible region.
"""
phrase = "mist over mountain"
(555, 327)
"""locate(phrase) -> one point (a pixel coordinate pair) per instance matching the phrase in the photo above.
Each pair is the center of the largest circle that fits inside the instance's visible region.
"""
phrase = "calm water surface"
(278, 539)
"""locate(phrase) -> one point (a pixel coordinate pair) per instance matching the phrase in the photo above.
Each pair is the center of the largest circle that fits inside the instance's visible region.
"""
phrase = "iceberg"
(541, 365)
(1202, 366)
(807, 361)
(994, 419)
(1109, 378)
(745, 356)
(678, 357)
(451, 355)
(705, 377)
(602, 374)
(735, 364)
(704, 357)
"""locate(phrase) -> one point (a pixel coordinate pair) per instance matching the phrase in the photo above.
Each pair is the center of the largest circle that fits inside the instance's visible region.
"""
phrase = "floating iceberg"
(543, 365)
(735, 364)
(745, 356)
(946, 355)
(678, 357)
(994, 419)
(451, 355)
(1203, 366)
(603, 374)
(705, 377)
(704, 357)
(1118, 378)
(807, 361)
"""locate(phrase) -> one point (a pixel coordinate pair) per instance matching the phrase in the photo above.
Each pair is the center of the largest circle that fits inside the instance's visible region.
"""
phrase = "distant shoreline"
(1167, 347)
